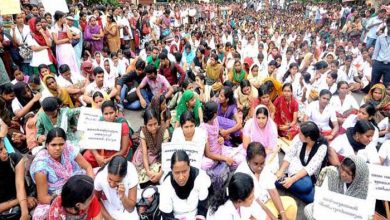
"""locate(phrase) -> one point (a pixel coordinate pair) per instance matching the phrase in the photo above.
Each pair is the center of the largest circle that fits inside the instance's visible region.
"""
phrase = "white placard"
(9, 7)
(102, 135)
(88, 115)
(331, 205)
(380, 180)
(194, 151)
(56, 5)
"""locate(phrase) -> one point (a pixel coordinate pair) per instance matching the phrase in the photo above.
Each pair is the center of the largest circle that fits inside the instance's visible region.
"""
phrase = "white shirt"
(92, 88)
(342, 146)
(226, 211)
(16, 106)
(170, 202)
(292, 156)
(38, 57)
(22, 37)
(384, 152)
(112, 203)
(349, 103)
(76, 78)
(321, 119)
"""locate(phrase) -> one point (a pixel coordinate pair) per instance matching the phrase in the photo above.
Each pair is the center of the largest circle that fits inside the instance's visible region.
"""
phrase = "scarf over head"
(182, 106)
(268, 135)
(38, 37)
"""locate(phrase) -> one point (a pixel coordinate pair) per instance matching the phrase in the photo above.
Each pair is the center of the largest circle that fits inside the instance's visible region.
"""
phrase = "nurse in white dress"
(355, 142)
(184, 192)
(116, 189)
(232, 200)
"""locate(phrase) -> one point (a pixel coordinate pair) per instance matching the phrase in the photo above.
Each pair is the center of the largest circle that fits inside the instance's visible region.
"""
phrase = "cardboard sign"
(59, 5)
(331, 205)
(380, 180)
(9, 7)
(194, 151)
(88, 115)
(102, 135)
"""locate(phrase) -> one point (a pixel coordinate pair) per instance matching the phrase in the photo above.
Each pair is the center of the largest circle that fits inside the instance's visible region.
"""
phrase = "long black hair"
(78, 189)
(228, 93)
(209, 109)
(238, 188)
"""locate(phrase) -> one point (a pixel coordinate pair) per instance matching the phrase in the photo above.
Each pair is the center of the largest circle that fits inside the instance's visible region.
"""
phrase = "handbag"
(148, 205)
(12, 214)
(25, 51)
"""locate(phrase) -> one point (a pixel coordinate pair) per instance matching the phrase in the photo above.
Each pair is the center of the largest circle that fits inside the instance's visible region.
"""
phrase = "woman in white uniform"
(184, 192)
(230, 203)
(355, 141)
(116, 189)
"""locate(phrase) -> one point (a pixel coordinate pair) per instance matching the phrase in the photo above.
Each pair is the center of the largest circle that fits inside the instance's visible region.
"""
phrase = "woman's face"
(188, 128)
(191, 103)
(114, 180)
(248, 201)
(198, 81)
(362, 114)
(346, 174)
(255, 71)
(237, 66)
(152, 125)
(109, 114)
(264, 99)
(44, 72)
(287, 93)
(19, 19)
(56, 147)
(181, 172)
(51, 84)
(19, 75)
(324, 100)
(92, 21)
(365, 138)
(28, 93)
(99, 101)
(222, 98)
(3, 152)
(343, 90)
(377, 94)
(246, 90)
(38, 26)
(107, 66)
(261, 120)
(256, 164)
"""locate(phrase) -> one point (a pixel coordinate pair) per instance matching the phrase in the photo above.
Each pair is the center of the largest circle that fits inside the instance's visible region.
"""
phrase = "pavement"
(136, 121)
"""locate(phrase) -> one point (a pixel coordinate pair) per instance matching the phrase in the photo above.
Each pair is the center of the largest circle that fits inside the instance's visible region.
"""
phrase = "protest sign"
(9, 7)
(88, 115)
(331, 205)
(194, 151)
(380, 180)
(59, 5)
(102, 135)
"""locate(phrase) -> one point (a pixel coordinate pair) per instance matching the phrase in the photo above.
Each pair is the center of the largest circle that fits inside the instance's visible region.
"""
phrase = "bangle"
(22, 200)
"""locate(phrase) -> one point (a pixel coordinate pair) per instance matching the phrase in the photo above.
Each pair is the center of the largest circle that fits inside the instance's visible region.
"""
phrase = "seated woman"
(261, 128)
(303, 162)
(286, 118)
(377, 97)
(355, 141)
(263, 99)
(237, 74)
(98, 98)
(14, 190)
(351, 178)
(254, 76)
(77, 201)
(321, 112)
(343, 103)
(189, 102)
(54, 116)
(25, 100)
(265, 190)
(274, 87)
(184, 192)
(216, 152)
(244, 95)
(229, 119)
(232, 200)
(98, 158)
(147, 157)
(116, 189)
(52, 167)
(54, 90)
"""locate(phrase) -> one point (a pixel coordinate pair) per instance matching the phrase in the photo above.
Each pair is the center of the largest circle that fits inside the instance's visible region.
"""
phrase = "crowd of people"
(235, 79)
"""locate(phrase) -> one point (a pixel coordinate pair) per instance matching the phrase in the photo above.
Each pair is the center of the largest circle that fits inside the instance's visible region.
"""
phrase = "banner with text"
(380, 180)
(88, 115)
(102, 135)
(60, 5)
(194, 151)
(9, 7)
(331, 205)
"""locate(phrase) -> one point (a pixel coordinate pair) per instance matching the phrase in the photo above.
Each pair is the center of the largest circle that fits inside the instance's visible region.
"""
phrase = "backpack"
(148, 207)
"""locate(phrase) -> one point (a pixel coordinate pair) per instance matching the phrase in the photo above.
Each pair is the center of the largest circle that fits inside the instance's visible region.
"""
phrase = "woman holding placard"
(351, 178)
(184, 192)
(101, 157)
(147, 158)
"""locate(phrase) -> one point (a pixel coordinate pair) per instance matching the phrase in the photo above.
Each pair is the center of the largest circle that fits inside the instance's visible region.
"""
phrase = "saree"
(96, 45)
(285, 116)
(62, 93)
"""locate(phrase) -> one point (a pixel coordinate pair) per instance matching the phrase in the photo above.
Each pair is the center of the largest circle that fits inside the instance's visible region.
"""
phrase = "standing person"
(372, 26)
(94, 34)
(184, 192)
(77, 201)
(381, 57)
(111, 32)
(20, 32)
(62, 36)
(116, 189)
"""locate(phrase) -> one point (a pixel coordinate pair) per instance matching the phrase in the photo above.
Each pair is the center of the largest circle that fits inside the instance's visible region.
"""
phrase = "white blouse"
(226, 211)
(170, 202)
(292, 156)
(349, 103)
(111, 200)
(321, 119)
(384, 152)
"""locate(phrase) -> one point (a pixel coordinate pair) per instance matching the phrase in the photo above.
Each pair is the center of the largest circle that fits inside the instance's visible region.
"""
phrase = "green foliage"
(109, 2)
